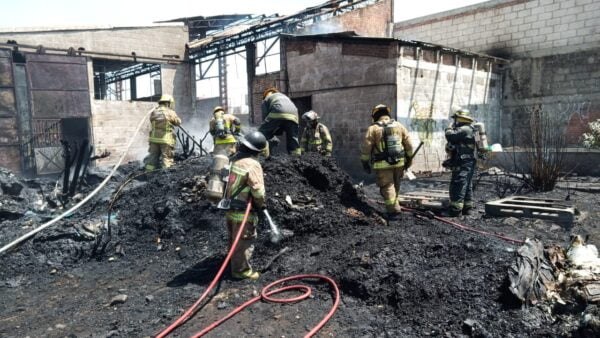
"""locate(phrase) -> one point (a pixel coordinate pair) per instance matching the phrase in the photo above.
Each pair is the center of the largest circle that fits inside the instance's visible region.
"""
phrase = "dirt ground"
(414, 277)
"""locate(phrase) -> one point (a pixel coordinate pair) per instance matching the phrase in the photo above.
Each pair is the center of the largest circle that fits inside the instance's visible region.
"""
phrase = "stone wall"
(515, 28)
(431, 86)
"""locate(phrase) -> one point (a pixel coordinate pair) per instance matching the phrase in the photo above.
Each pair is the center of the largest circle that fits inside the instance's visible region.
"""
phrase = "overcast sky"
(32, 13)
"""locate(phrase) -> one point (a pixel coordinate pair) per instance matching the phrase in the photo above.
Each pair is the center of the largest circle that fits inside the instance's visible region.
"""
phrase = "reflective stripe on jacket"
(162, 120)
(246, 180)
(277, 106)
(374, 144)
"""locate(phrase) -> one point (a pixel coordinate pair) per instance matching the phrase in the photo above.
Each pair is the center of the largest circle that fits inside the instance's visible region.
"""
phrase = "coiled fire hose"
(86, 199)
(266, 293)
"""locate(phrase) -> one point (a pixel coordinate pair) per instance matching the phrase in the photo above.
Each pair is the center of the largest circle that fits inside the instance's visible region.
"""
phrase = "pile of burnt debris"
(414, 277)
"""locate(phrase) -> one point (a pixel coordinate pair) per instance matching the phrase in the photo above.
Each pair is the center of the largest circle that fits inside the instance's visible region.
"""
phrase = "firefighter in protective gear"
(280, 115)
(462, 150)
(246, 182)
(387, 146)
(224, 128)
(162, 138)
(316, 136)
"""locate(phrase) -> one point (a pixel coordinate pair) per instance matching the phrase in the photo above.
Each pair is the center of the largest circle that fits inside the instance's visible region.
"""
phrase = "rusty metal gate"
(59, 89)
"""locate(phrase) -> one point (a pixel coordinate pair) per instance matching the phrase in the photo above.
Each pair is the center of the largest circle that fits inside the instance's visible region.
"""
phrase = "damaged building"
(522, 58)
(472, 248)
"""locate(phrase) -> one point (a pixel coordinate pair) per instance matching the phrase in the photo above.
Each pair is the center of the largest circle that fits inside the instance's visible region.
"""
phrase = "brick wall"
(144, 41)
(511, 27)
(260, 83)
(375, 20)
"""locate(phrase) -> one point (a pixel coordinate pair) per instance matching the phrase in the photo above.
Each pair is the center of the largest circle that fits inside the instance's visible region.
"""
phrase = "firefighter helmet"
(310, 116)
(463, 115)
(168, 99)
(254, 141)
(218, 108)
(379, 111)
(269, 91)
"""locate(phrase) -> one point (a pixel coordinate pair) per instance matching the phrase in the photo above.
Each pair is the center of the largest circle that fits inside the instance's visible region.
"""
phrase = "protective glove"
(366, 167)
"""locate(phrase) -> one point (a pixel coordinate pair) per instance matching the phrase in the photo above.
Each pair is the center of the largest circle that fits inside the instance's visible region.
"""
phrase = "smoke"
(198, 128)
(322, 28)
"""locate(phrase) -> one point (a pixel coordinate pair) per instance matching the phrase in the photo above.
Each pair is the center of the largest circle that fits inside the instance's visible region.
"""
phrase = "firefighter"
(246, 182)
(388, 147)
(316, 136)
(224, 128)
(280, 115)
(462, 149)
(162, 138)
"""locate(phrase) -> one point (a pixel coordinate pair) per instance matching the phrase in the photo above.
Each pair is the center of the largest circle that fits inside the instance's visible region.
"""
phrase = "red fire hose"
(266, 293)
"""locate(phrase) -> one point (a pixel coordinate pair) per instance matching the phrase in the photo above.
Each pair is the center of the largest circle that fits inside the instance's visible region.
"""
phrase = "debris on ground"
(415, 277)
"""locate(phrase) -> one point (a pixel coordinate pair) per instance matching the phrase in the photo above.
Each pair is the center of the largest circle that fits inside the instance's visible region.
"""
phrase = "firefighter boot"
(247, 274)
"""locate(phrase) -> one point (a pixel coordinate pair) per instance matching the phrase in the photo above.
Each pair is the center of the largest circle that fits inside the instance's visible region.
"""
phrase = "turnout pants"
(243, 252)
(155, 152)
(461, 186)
(388, 181)
(270, 127)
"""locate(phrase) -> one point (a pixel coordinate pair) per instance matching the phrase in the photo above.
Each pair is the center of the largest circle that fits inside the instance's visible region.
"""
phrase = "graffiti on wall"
(572, 117)
(423, 122)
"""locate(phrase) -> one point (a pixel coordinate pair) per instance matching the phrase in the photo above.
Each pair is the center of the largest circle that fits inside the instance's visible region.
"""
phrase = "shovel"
(276, 236)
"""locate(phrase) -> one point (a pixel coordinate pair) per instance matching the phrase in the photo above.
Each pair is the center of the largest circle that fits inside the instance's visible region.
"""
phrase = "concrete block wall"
(113, 124)
(345, 79)
(347, 113)
(566, 85)
(429, 91)
(516, 28)
(152, 41)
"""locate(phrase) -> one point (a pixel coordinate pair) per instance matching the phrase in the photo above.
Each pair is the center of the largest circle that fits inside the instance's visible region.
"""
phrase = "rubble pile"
(416, 277)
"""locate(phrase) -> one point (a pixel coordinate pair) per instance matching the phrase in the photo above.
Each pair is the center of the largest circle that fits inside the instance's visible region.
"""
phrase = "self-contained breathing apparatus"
(475, 145)
(392, 148)
(220, 131)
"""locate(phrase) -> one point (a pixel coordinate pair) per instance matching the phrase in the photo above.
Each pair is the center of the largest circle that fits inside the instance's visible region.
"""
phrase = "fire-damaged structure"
(229, 60)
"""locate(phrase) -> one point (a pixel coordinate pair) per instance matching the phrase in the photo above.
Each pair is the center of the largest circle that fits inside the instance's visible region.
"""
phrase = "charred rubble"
(417, 277)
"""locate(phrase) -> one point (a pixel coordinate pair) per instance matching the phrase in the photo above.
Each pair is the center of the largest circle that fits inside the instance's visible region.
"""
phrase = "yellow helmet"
(167, 98)
(269, 91)
(218, 108)
(463, 115)
(380, 110)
